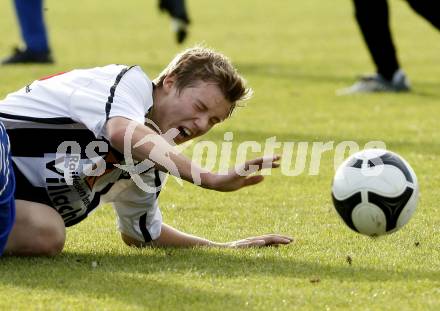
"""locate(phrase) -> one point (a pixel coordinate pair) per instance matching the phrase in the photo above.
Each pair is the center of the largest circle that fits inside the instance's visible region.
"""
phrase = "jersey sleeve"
(138, 213)
(126, 94)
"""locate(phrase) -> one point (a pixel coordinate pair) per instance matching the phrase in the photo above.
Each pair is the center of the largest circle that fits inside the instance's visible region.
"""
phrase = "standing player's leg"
(179, 14)
(429, 9)
(372, 17)
(373, 20)
(33, 31)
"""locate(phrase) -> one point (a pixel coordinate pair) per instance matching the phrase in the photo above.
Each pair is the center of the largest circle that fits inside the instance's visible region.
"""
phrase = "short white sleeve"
(115, 91)
(138, 213)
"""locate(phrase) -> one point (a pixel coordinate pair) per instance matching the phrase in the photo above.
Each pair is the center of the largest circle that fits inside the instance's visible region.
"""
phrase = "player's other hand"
(242, 175)
(260, 241)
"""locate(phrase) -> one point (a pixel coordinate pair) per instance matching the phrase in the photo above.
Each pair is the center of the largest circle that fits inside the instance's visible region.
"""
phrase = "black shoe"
(180, 28)
(181, 35)
(28, 57)
(179, 16)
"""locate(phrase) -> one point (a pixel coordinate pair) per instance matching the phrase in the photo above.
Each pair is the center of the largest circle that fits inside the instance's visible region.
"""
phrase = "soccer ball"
(375, 192)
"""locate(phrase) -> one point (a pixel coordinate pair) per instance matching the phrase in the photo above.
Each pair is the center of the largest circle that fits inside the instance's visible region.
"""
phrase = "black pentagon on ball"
(388, 159)
(357, 163)
(392, 159)
(391, 207)
(345, 208)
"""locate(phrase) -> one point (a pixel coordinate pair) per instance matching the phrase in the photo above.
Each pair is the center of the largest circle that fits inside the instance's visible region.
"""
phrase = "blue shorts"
(7, 189)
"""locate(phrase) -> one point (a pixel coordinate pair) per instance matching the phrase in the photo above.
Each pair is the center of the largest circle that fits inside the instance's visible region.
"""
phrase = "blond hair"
(203, 64)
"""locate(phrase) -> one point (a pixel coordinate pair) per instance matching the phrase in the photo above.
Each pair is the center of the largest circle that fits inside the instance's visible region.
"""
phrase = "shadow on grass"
(135, 280)
(214, 262)
(180, 277)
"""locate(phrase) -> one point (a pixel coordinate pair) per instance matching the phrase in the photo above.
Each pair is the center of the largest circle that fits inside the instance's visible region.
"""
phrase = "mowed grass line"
(295, 55)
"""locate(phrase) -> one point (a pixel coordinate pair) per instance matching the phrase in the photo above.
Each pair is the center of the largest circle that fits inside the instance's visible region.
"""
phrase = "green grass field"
(295, 54)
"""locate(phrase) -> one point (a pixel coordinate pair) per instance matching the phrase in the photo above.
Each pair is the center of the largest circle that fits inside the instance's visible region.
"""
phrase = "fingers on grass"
(275, 239)
(283, 237)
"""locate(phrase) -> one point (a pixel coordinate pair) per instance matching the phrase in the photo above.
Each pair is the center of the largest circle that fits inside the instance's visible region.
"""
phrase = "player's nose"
(202, 124)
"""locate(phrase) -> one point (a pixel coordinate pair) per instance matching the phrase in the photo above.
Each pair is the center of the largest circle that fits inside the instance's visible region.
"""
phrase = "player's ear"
(168, 83)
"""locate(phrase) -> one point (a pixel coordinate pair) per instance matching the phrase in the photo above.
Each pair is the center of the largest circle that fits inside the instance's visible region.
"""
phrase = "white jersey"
(72, 108)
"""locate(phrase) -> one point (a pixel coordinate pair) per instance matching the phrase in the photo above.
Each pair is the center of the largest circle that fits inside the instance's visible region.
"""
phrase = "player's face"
(193, 111)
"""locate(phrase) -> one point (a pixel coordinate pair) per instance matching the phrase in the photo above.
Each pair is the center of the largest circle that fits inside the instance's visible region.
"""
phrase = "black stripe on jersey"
(157, 182)
(143, 218)
(108, 104)
(37, 120)
(143, 227)
(35, 142)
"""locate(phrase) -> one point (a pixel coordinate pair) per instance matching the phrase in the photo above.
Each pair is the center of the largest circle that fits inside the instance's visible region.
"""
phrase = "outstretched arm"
(171, 237)
(167, 158)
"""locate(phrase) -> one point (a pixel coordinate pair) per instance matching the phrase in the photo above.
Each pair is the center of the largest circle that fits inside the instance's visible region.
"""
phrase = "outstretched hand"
(242, 175)
(260, 241)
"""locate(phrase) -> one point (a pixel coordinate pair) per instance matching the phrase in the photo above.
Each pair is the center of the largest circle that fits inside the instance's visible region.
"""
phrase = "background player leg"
(179, 14)
(33, 31)
(429, 9)
(373, 20)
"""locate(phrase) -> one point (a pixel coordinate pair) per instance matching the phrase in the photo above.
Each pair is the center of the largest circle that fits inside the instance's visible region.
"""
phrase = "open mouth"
(184, 132)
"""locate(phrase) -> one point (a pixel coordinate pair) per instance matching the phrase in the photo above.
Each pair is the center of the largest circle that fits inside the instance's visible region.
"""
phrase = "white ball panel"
(370, 153)
(369, 219)
(343, 182)
(385, 180)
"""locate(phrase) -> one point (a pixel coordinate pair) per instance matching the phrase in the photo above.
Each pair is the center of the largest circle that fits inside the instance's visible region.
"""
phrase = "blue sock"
(33, 30)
